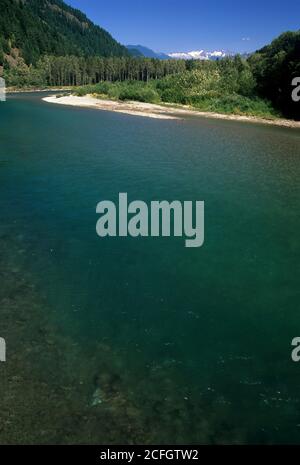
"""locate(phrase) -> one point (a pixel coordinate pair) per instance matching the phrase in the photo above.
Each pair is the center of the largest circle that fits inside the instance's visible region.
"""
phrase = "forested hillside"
(32, 28)
(274, 67)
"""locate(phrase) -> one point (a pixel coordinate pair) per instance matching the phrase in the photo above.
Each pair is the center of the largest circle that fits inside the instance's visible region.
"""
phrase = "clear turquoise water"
(218, 321)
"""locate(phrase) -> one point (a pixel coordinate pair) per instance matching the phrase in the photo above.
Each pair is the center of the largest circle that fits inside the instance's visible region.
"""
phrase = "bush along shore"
(190, 89)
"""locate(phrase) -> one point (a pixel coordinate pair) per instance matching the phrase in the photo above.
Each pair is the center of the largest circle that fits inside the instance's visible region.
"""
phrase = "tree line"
(225, 86)
(78, 71)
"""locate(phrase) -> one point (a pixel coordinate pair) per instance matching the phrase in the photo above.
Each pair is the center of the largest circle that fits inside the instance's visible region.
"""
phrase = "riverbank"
(166, 111)
(131, 108)
(26, 90)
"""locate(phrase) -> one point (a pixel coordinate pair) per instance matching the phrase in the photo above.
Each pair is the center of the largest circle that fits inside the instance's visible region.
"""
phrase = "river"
(187, 345)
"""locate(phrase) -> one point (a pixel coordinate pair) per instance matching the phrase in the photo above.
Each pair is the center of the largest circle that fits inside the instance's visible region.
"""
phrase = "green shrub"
(236, 104)
(225, 87)
(141, 94)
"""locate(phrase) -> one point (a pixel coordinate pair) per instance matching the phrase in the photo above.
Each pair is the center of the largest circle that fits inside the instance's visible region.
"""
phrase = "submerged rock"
(109, 383)
(97, 398)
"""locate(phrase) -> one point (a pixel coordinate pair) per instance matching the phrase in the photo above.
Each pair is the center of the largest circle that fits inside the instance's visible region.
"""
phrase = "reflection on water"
(144, 341)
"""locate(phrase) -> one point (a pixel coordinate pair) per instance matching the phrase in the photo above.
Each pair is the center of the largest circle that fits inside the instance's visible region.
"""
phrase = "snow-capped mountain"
(200, 55)
(140, 50)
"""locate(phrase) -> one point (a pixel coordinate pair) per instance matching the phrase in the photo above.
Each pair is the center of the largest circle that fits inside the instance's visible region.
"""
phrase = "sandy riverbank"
(131, 108)
(151, 110)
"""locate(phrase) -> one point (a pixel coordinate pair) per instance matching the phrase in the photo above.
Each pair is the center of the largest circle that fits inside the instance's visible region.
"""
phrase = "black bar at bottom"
(135, 454)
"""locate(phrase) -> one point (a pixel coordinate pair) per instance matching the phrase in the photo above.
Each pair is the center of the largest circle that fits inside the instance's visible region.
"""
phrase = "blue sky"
(172, 26)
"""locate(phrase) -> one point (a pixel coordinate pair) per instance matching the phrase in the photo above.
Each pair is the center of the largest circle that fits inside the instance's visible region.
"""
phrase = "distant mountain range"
(200, 55)
(140, 50)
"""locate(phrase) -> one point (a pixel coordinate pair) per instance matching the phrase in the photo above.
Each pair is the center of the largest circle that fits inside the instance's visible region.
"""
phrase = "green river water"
(177, 345)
